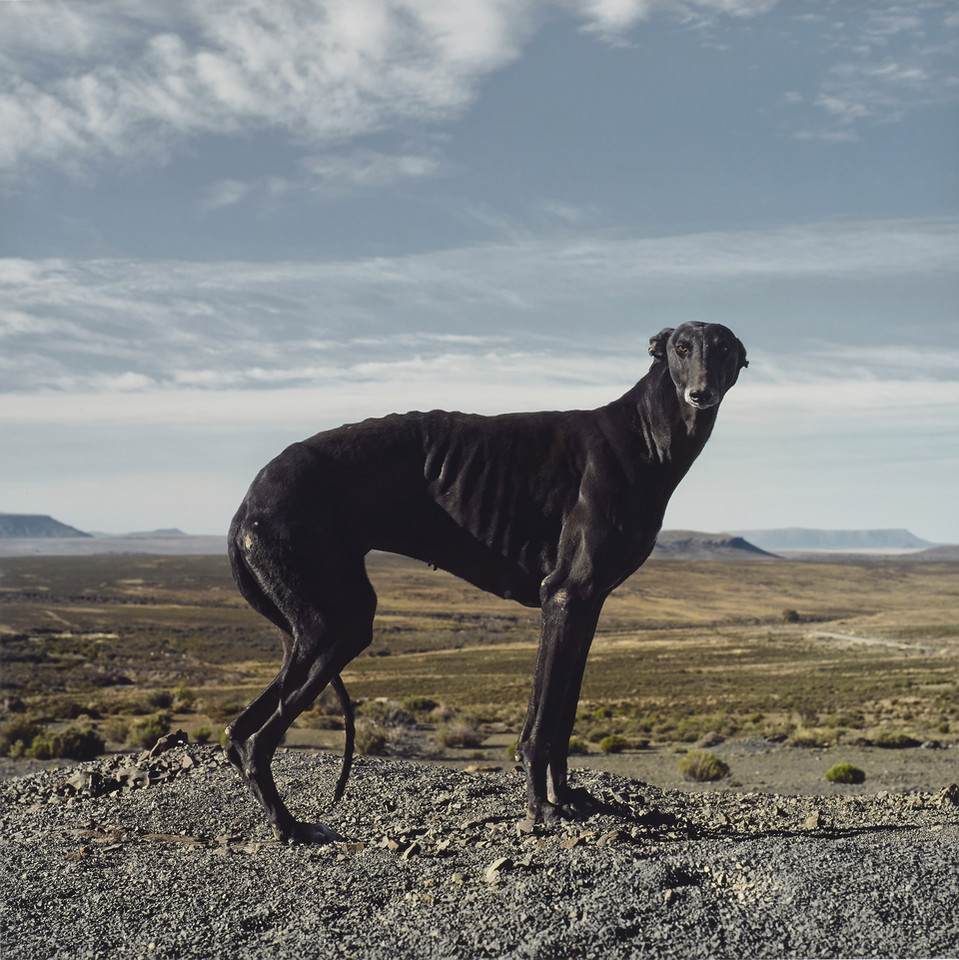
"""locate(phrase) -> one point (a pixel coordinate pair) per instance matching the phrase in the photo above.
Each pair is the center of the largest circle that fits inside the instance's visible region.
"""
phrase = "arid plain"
(779, 666)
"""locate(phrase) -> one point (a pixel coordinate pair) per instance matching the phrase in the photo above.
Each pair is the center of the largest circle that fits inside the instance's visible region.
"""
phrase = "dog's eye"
(682, 349)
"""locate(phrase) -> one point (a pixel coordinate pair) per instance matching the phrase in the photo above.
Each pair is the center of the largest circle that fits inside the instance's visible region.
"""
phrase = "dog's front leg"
(569, 621)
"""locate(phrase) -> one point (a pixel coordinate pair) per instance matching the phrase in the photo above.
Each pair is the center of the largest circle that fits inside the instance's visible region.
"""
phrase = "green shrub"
(223, 711)
(386, 712)
(147, 731)
(67, 708)
(370, 738)
(78, 744)
(577, 746)
(702, 766)
(116, 730)
(202, 734)
(614, 743)
(72, 744)
(17, 735)
(415, 704)
(183, 697)
(845, 773)
(803, 737)
(790, 616)
(75, 743)
(894, 740)
(458, 734)
(160, 699)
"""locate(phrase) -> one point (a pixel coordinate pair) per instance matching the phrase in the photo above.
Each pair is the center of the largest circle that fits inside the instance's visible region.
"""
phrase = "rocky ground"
(167, 856)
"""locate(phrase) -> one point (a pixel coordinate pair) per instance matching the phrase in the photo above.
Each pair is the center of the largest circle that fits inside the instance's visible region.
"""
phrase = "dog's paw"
(573, 805)
(307, 833)
(577, 804)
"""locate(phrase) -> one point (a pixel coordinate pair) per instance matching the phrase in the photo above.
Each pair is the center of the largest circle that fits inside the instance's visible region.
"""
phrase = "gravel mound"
(168, 856)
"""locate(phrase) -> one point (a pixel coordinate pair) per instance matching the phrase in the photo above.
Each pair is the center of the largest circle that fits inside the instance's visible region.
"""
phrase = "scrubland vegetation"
(109, 651)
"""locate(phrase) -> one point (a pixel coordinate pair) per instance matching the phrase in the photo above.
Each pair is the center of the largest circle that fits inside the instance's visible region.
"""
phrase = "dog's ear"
(657, 344)
(743, 362)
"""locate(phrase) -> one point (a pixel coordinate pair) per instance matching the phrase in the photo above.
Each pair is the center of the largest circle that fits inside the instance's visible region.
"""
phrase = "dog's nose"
(700, 396)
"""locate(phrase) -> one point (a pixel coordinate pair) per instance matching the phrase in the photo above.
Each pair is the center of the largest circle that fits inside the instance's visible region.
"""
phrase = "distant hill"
(30, 525)
(163, 532)
(803, 539)
(693, 545)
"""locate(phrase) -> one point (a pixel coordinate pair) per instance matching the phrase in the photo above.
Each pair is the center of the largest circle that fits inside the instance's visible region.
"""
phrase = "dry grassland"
(817, 652)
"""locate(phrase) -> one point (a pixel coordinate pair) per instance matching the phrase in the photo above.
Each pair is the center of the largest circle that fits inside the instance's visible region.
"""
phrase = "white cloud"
(320, 72)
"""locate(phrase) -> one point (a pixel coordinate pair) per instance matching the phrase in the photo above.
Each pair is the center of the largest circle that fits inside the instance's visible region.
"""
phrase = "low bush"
(386, 712)
(147, 731)
(614, 743)
(415, 704)
(577, 746)
(17, 735)
(24, 738)
(72, 744)
(702, 766)
(202, 734)
(894, 740)
(160, 699)
(184, 699)
(371, 738)
(845, 773)
(458, 735)
(226, 709)
(116, 730)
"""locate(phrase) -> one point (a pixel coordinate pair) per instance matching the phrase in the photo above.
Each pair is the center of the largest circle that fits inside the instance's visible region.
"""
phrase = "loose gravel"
(168, 856)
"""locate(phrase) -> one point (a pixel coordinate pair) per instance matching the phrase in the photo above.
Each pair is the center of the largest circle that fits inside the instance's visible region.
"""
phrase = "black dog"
(551, 509)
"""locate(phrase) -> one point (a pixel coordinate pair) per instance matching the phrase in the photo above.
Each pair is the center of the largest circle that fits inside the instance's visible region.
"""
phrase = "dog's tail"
(350, 722)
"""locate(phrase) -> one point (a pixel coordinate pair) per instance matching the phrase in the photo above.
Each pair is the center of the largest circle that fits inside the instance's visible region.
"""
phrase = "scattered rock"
(436, 865)
(168, 742)
(949, 795)
(494, 870)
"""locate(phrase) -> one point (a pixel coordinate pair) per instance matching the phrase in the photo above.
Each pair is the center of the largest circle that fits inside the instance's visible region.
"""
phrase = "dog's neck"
(674, 431)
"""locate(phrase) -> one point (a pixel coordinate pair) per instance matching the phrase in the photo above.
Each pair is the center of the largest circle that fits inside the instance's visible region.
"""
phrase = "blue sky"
(227, 225)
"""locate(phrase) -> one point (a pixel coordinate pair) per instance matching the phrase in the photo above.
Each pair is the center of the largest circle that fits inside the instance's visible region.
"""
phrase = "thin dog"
(551, 509)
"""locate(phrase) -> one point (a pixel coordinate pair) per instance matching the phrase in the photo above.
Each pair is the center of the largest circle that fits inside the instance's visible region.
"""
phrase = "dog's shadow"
(664, 826)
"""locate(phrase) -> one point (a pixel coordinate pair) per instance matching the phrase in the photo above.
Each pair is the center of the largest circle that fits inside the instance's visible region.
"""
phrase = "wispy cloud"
(78, 326)
(613, 18)
(366, 169)
(225, 193)
(890, 60)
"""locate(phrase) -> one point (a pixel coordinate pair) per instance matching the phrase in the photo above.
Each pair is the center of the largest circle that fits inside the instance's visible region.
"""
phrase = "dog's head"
(704, 361)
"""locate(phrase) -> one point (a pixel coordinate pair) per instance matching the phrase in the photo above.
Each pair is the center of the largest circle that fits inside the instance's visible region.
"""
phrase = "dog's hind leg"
(331, 619)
